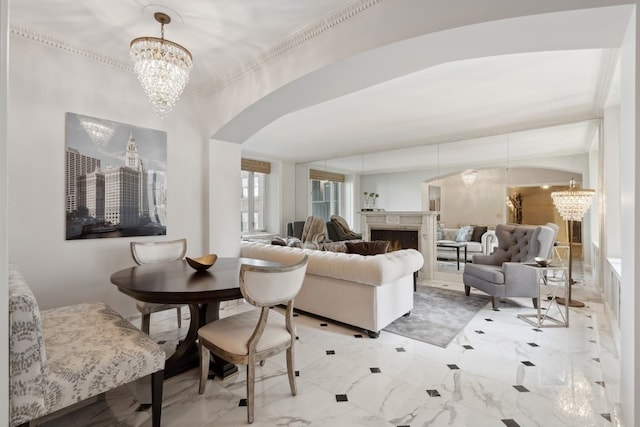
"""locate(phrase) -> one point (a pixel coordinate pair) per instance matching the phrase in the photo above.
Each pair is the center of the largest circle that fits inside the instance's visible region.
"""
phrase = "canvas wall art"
(115, 180)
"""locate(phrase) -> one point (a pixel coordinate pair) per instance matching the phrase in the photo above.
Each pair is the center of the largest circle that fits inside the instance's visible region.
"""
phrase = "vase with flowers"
(370, 201)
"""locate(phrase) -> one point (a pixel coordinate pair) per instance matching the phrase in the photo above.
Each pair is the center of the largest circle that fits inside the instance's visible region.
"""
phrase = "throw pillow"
(334, 247)
(294, 242)
(368, 248)
(464, 233)
(478, 231)
(278, 241)
(439, 231)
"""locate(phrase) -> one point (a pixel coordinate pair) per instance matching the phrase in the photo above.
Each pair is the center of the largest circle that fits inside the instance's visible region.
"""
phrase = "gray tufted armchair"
(503, 273)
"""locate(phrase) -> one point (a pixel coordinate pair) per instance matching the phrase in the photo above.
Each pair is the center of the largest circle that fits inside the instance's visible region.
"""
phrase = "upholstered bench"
(62, 356)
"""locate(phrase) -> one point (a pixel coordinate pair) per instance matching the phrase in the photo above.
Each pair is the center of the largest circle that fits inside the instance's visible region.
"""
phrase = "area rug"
(438, 315)
(450, 267)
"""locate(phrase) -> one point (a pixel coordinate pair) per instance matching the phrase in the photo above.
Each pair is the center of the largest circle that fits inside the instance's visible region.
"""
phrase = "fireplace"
(398, 239)
(405, 230)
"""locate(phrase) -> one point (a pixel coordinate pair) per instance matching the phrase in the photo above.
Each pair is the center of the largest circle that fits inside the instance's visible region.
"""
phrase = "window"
(254, 178)
(326, 193)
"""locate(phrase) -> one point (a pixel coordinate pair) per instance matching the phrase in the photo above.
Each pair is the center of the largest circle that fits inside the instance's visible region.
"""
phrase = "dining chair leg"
(251, 378)
(204, 366)
(291, 372)
(179, 310)
(146, 321)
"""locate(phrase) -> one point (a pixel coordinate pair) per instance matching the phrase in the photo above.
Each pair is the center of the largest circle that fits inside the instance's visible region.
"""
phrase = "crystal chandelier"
(572, 203)
(162, 67)
(469, 177)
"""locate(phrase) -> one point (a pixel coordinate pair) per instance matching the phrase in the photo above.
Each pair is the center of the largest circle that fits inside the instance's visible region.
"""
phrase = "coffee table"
(457, 246)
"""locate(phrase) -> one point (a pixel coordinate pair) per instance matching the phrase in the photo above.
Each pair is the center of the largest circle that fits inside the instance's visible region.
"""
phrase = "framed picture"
(115, 180)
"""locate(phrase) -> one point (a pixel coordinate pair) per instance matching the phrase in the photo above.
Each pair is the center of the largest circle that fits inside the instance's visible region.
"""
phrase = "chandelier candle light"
(162, 67)
(572, 205)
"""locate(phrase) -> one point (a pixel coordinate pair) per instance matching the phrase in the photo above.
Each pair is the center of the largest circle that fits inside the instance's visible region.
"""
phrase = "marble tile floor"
(499, 371)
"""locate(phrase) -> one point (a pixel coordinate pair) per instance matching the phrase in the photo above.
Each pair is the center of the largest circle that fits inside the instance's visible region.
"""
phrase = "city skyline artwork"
(115, 179)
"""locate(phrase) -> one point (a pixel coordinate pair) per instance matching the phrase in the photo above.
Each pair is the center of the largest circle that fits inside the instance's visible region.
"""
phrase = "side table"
(554, 277)
(456, 246)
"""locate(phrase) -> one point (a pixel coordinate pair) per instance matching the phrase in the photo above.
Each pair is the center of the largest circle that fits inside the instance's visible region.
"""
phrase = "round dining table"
(177, 283)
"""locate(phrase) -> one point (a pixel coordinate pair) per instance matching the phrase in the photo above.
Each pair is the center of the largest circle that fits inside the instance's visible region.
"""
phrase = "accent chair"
(253, 336)
(504, 273)
(152, 253)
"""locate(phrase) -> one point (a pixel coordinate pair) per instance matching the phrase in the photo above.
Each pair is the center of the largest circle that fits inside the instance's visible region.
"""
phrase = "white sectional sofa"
(485, 244)
(368, 292)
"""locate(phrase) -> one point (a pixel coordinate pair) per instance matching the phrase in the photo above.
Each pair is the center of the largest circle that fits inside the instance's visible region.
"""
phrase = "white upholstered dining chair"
(152, 253)
(251, 337)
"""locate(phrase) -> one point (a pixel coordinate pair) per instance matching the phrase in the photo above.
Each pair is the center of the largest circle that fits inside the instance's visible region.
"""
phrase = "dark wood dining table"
(177, 283)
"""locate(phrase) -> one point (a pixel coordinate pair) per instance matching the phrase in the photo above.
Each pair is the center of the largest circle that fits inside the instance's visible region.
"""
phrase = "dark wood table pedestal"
(186, 356)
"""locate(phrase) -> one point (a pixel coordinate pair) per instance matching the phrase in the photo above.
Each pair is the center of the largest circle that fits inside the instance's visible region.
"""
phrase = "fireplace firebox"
(398, 239)
(405, 230)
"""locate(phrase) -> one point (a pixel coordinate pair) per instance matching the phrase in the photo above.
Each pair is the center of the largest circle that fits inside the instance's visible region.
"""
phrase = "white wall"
(224, 198)
(46, 83)
(611, 160)
(629, 218)
(288, 180)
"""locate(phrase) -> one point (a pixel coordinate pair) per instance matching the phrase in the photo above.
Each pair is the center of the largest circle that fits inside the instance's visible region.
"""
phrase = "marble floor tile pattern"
(499, 371)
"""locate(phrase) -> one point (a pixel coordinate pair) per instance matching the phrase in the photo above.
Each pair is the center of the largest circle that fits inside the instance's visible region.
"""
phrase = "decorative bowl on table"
(542, 262)
(202, 263)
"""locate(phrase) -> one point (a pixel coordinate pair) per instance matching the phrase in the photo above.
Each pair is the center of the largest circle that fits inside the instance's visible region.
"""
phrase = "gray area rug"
(438, 315)
(450, 267)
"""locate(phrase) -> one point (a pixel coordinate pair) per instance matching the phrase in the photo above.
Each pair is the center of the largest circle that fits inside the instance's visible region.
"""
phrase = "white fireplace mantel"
(423, 222)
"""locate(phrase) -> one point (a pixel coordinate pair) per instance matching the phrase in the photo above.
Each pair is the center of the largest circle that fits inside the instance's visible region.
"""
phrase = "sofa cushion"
(86, 361)
(478, 231)
(368, 248)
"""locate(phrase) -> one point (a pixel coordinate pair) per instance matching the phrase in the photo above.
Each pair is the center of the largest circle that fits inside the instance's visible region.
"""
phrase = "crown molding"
(302, 36)
(48, 40)
(298, 38)
(608, 63)
(56, 43)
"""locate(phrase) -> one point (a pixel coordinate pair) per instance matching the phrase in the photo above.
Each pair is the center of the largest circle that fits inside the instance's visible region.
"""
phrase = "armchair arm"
(485, 259)
(489, 242)
(520, 277)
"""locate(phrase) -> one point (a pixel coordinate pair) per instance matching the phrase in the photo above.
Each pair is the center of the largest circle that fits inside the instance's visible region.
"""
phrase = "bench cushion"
(27, 358)
(64, 355)
(92, 349)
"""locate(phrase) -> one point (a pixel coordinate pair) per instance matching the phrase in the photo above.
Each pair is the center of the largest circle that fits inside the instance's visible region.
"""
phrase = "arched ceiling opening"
(550, 72)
